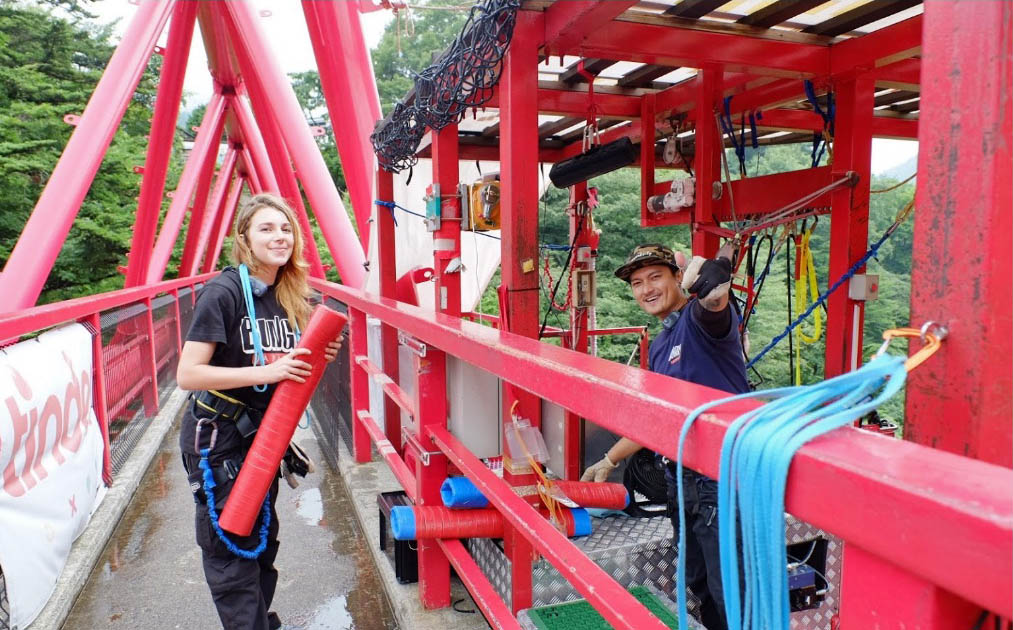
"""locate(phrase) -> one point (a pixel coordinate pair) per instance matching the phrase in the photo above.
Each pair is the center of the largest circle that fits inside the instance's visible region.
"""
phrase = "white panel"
(553, 423)
(475, 407)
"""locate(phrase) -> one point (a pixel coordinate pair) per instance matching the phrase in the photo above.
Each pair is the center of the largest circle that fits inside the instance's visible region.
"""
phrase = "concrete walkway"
(138, 566)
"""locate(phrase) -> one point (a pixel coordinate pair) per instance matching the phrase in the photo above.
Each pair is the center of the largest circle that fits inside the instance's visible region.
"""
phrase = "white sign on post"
(50, 462)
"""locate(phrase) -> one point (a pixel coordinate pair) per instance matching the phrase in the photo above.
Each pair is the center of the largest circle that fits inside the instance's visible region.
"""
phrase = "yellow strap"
(224, 397)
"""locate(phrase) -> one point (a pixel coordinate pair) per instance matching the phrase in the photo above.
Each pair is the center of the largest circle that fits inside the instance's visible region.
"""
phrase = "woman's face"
(270, 237)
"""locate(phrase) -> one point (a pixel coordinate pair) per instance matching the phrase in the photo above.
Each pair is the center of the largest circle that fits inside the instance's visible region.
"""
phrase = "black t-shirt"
(220, 317)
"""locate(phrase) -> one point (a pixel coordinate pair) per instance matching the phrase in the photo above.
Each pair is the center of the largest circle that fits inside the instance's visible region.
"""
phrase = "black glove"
(713, 273)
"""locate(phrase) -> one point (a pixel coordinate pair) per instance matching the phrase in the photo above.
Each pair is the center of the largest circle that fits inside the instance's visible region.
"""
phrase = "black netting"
(331, 403)
(462, 78)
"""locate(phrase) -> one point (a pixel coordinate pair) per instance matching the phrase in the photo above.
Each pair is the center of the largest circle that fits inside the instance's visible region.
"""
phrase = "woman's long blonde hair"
(291, 286)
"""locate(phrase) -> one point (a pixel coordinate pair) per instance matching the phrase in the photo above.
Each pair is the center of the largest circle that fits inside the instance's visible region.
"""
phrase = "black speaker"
(593, 162)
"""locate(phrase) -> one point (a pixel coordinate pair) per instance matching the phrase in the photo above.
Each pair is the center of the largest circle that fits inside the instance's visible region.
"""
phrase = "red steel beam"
(481, 590)
(386, 255)
(23, 322)
(254, 145)
(946, 518)
(707, 161)
(447, 239)
(800, 119)
(43, 236)
(163, 128)
(349, 87)
(905, 74)
(216, 208)
(224, 224)
(567, 22)
(879, 48)
(960, 401)
(756, 196)
(614, 602)
(317, 183)
(387, 451)
(199, 209)
(668, 46)
(207, 141)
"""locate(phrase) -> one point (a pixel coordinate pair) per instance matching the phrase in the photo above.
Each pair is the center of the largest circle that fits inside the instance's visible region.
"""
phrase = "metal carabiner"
(214, 434)
(931, 326)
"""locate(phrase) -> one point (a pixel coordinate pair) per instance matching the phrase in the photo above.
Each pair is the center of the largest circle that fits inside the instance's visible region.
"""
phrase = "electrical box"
(484, 204)
(864, 287)
(585, 255)
(434, 207)
(584, 288)
(475, 411)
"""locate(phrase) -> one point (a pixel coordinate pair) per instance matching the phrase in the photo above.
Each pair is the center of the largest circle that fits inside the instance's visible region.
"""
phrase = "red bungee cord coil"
(283, 414)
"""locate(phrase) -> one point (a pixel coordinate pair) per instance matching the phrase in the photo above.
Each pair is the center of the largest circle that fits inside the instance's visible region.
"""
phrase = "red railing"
(945, 522)
(137, 337)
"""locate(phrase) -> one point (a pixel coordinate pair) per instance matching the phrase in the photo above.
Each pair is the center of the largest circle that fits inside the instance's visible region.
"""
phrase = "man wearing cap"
(700, 343)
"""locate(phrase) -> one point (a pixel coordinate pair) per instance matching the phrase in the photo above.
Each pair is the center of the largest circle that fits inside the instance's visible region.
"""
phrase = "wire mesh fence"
(331, 403)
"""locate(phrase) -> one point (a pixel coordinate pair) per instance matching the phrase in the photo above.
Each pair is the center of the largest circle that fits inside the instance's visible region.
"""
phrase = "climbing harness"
(756, 454)
(209, 485)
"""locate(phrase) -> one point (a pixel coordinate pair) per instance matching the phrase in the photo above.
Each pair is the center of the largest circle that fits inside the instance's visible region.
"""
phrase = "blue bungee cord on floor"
(755, 456)
(209, 492)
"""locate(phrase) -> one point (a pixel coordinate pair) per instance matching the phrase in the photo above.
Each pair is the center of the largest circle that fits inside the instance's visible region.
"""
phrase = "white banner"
(50, 462)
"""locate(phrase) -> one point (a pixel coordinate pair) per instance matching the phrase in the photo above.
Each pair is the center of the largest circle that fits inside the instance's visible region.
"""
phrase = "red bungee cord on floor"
(283, 413)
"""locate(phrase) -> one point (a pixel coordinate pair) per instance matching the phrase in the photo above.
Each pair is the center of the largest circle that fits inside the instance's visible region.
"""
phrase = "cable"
(566, 265)
(894, 187)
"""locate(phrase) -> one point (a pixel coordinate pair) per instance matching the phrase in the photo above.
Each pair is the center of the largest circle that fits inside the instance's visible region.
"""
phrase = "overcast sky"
(287, 28)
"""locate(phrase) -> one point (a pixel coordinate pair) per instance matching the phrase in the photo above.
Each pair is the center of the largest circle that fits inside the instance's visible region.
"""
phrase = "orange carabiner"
(931, 334)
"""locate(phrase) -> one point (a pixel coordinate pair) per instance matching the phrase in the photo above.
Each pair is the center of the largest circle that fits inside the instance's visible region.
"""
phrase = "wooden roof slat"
(860, 16)
(893, 97)
(572, 75)
(907, 108)
(693, 9)
(778, 12)
(554, 127)
(644, 75)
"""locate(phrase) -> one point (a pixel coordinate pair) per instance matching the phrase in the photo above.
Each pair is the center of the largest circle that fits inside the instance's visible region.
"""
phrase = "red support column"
(431, 470)
(447, 239)
(959, 401)
(348, 84)
(387, 259)
(254, 151)
(42, 238)
(583, 241)
(519, 207)
(99, 399)
(707, 162)
(200, 209)
(207, 140)
(849, 220)
(215, 209)
(248, 169)
(358, 346)
(163, 127)
(224, 225)
(647, 137)
(150, 393)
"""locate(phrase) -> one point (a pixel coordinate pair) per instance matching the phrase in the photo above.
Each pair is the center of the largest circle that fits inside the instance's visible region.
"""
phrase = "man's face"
(656, 289)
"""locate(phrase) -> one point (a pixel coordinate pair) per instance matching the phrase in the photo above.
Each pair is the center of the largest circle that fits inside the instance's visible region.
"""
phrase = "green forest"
(51, 57)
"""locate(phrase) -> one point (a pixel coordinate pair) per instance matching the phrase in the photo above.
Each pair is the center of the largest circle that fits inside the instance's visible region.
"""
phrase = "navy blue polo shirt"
(684, 350)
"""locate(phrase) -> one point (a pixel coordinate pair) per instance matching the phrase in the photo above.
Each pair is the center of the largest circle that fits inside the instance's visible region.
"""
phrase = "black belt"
(216, 405)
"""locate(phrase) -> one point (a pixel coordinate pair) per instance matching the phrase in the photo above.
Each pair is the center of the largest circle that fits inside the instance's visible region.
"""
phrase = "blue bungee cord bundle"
(209, 492)
(755, 456)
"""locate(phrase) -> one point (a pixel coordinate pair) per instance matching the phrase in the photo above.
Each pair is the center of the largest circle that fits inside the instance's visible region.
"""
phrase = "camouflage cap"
(645, 255)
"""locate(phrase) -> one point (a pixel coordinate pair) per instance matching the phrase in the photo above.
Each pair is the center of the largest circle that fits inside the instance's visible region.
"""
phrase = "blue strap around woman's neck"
(258, 347)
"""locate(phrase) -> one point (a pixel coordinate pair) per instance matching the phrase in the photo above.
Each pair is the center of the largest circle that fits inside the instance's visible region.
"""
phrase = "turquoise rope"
(756, 453)
(209, 486)
(258, 347)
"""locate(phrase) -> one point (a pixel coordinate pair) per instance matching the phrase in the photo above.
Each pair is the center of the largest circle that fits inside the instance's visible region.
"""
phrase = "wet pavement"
(150, 578)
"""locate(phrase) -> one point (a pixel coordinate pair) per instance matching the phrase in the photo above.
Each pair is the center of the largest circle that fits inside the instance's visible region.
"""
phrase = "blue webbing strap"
(755, 456)
(258, 347)
(209, 487)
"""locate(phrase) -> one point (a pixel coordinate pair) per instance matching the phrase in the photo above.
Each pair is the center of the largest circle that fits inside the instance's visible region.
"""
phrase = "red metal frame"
(960, 262)
(223, 225)
(215, 210)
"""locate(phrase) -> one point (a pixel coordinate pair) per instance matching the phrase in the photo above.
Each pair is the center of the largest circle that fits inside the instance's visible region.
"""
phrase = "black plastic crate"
(403, 554)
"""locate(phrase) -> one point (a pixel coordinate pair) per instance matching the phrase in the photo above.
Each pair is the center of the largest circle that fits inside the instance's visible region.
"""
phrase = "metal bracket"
(424, 455)
(412, 343)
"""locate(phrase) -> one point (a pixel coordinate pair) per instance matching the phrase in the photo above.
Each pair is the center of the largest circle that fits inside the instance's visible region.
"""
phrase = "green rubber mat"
(579, 615)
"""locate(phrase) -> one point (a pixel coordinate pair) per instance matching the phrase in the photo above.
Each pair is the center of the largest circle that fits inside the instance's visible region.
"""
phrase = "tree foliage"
(49, 66)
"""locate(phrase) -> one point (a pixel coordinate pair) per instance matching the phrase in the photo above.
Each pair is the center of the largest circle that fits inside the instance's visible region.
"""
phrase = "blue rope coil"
(756, 454)
(209, 486)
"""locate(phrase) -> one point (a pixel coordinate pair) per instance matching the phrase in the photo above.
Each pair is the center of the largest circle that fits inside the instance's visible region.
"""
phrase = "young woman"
(233, 357)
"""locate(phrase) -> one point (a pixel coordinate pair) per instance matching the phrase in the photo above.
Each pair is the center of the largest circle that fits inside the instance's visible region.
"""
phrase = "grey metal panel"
(554, 432)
